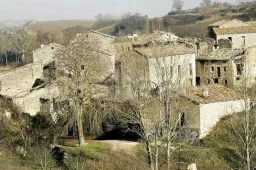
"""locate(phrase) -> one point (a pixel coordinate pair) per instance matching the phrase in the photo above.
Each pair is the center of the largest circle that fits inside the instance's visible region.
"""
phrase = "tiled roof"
(219, 23)
(217, 93)
(235, 30)
(251, 23)
(165, 50)
(222, 54)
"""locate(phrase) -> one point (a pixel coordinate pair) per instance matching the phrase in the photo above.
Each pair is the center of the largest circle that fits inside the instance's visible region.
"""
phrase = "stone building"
(27, 84)
(200, 108)
(227, 67)
(240, 34)
(150, 67)
(46, 53)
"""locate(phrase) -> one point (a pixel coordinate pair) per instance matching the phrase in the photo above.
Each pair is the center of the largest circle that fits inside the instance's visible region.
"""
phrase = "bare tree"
(152, 99)
(245, 135)
(177, 5)
(21, 42)
(78, 70)
(206, 4)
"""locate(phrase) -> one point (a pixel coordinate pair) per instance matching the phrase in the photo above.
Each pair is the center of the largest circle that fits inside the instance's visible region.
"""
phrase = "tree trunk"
(149, 152)
(247, 136)
(6, 58)
(157, 152)
(80, 126)
(168, 151)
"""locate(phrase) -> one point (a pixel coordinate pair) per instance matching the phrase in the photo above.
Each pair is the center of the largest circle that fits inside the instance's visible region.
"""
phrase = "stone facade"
(46, 53)
(201, 111)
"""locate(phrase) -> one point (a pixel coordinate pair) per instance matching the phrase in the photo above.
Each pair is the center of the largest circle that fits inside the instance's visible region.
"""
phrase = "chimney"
(42, 45)
(205, 92)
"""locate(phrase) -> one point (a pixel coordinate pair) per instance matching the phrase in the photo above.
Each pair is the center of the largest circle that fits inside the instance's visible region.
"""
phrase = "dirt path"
(119, 145)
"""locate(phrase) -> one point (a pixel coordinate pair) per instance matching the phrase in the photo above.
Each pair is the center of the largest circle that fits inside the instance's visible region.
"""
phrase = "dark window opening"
(209, 81)
(212, 68)
(82, 67)
(243, 37)
(216, 81)
(218, 71)
(198, 81)
(182, 119)
(197, 46)
(52, 48)
(230, 38)
(238, 78)
(239, 69)
(225, 69)
(225, 82)
(179, 72)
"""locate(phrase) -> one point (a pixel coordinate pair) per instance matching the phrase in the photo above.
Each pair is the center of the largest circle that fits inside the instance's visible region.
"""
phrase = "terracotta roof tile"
(222, 54)
(165, 50)
(235, 30)
(219, 23)
(217, 93)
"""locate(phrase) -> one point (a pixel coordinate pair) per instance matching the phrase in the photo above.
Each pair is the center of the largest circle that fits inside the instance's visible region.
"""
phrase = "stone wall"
(183, 69)
(215, 72)
(46, 53)
(211, 113)
(31, 104)
(240, 40)
(19, 81)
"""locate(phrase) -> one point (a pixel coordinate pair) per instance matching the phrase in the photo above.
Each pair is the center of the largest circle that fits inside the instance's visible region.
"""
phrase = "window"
(239, 69)
(209, 81)
(82, 67)
(212, 68)
(182, 119)
(225, 82)
(218, 71)
(230, 38)
(225, 69)
(216, 81)
(198, 81)
(52, 48)
(243, 37)
(179, 72)
(190, 69)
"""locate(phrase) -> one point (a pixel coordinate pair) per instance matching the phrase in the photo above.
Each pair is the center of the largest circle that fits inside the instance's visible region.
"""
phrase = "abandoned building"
(240, 34)
(227, 67)
(151, 67)
(46, 53)
(200, 108)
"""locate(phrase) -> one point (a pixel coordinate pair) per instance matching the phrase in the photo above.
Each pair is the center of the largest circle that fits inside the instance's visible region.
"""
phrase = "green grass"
(93, 150)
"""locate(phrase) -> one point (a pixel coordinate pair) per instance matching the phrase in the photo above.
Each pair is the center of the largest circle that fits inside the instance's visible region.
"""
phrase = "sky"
(85, 9)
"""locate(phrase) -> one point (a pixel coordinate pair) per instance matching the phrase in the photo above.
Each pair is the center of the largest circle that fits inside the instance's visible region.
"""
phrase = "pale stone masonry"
(202, 107)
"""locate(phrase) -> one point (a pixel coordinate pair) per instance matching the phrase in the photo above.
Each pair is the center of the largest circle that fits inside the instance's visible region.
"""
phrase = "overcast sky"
(84, 9)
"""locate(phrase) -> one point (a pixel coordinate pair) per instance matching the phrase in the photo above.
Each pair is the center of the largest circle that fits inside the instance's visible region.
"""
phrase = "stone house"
(46, 53)
(27, 84)
(240, 34)
(150, 67)
(227, 67)
(200, 108)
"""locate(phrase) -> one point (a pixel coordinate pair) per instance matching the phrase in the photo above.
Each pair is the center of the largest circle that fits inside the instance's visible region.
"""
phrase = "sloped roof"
(165, 50)
(222, 54)
(219, 23)
(48, 45)
(102, 34)
(251, 23)
(217, 93)
(235, 30)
